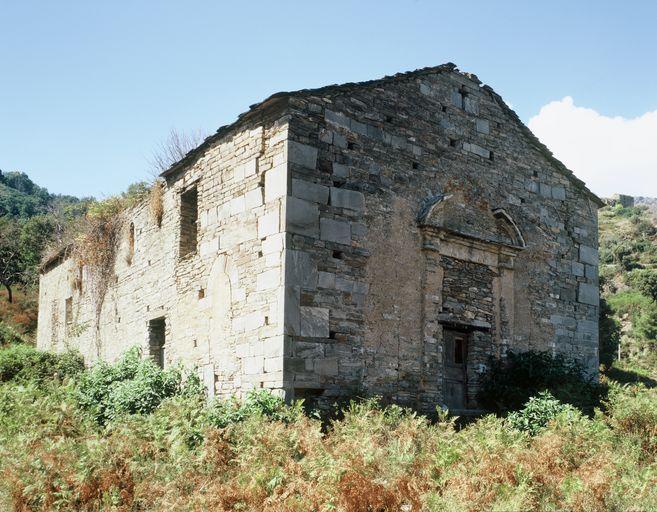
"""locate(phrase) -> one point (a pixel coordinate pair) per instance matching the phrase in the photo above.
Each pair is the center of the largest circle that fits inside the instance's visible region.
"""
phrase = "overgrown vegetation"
(628, 279)
(164, 447)
(133, 385)
(130, 436)
(22, 363)
(513, 381)
(96, 242)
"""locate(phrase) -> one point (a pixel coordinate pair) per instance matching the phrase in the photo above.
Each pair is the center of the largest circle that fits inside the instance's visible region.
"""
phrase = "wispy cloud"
(611, 154)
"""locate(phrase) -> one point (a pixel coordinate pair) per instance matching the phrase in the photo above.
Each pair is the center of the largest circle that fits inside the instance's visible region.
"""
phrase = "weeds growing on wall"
(156, 202)
(97, 240)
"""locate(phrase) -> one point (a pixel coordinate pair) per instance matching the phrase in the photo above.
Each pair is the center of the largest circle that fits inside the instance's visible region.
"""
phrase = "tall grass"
(259, 454)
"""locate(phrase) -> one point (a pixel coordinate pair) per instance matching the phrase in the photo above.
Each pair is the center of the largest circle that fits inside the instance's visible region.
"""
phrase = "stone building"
(386, 237)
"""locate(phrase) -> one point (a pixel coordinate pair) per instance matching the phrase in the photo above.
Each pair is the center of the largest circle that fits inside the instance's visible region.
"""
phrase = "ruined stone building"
(378, 238)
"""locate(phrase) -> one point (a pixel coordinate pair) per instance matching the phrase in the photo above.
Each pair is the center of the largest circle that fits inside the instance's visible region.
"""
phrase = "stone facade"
(382, 238)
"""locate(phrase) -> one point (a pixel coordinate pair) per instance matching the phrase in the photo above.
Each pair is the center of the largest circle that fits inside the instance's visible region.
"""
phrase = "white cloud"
(611, 154)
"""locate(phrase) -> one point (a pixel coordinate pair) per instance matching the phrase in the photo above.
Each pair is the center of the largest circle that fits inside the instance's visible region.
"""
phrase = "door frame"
(459, 332)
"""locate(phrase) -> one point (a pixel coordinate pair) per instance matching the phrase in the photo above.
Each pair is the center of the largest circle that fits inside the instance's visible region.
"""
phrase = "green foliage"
(21, 198)
(645, 324)
(9, 336)
(261, 403)
(538, 412)
(545, 457)
(628, 302)
(511, 381)
(131, 386)
(609, 334)
(24, 363)
(644, 280)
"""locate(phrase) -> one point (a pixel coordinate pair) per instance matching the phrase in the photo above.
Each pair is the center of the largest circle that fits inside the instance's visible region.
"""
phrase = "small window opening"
(453, 142)
(156, 340)
(351, 145)
(490, 156)
(259, 254)
(131, 244)
(332, 334)
(195, 343)
(535, 174)
(416, 165)
(201, 294)
(443, 108)
(188, 221)
(338, 255)
(69, 311)
(266, 320)
(388, 119)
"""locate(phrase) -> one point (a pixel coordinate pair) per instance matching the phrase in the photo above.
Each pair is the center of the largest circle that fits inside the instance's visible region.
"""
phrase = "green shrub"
(632, 412)
(24, 363)
(538, 412)
(131, 386)
(609, 334)
(628, 302)
(222, 413)
(9, 336)
(644, 280)
(645, 323)
(513, 380)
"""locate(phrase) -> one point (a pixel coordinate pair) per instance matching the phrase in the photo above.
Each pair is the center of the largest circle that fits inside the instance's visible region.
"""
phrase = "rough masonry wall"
(223, 302)
(366, 157)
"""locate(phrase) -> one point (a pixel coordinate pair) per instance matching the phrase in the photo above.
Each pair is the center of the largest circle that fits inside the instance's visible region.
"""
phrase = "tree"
(609, 334)
(12, 263)
(174, 148)
(35, 234)
(645, 280)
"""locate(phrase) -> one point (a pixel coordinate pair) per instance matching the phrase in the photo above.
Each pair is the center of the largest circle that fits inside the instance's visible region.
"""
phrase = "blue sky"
(87, 89)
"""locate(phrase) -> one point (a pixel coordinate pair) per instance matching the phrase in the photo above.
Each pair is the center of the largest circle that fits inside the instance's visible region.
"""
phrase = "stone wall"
(219, 290)
(368, 159)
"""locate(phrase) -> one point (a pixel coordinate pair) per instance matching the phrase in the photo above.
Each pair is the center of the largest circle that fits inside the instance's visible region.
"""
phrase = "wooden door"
(455, 369)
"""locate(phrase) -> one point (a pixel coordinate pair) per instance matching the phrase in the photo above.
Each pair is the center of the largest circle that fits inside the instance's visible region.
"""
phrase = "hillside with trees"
(31, 219)
(628, 284)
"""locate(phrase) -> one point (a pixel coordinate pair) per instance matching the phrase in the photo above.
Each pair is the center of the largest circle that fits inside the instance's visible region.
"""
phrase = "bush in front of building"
(23, 363)
(514, 379)
(538, 412)
(133, 385)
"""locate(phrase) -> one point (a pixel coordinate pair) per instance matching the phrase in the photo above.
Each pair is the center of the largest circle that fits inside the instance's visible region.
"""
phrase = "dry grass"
(156, 202)
(22, 314)
(372, 460)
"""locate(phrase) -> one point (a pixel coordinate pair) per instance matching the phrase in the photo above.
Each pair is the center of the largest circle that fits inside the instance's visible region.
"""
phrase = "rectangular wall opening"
(156, 340)
(69, 311)
(188, 221)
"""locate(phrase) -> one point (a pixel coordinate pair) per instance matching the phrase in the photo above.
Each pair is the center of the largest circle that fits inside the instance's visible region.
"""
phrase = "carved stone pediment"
(452, 213)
